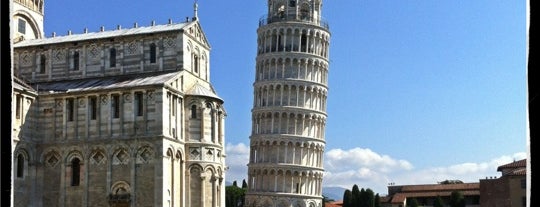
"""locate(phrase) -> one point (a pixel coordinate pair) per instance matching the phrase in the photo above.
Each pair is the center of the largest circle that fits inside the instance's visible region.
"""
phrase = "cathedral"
(124, 117)
(289, 108)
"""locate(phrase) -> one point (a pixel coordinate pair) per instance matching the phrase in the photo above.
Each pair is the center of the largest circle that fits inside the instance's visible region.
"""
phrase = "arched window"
(304, 12)
(303, 43)
(20, 166)
(42, 63)
(153, 56)
(193, 112)
(76, 60)
(112, 57)
(70, 109)
(195, 62)
(93, 107)
(75, 172)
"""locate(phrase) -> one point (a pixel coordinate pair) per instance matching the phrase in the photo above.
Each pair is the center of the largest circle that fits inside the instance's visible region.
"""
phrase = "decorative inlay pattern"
(144, 155)
(121, 158)
(103, 99)
(169, 42)
(59, 56)
(25, 59)
(127, 98)
(133, 48)
(98, 158)
(52, 159)
(93, 52)
(209, 154)
(59, 103)
(81, 103)
(150, 95)
(195, 154)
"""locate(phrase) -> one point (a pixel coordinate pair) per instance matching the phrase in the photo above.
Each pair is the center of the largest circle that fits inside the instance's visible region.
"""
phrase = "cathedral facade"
(289, 108)
(123, 117)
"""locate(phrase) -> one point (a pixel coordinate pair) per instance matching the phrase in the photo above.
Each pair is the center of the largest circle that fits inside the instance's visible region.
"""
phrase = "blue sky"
(419, 91)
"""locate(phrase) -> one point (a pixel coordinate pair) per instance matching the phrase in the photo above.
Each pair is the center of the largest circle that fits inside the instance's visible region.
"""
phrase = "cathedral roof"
(199, 90)
(105, 83)
(19, 84)
(103, 34)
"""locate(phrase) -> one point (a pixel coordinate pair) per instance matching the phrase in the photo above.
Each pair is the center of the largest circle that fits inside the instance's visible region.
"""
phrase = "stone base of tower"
(281, 200)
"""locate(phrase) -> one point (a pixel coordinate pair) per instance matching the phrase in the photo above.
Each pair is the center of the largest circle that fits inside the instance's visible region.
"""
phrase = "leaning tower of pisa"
(289, 107)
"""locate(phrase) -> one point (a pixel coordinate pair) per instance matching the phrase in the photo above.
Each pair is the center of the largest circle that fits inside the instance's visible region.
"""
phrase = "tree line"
(234, 195)
(360, 198)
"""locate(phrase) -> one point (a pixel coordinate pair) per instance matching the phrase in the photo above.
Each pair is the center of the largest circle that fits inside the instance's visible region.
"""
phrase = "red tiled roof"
(521, 171)
(385, 199)
(400, 197)
(515, 164)
(440, 187)
(334, 204)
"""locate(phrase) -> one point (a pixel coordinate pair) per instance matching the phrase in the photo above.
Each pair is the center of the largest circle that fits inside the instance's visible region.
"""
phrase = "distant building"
(427, 194)
(124, 117)
(509, 190)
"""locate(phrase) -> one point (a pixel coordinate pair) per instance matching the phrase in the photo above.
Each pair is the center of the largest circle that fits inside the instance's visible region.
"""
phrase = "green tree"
(412, 202)
(244, 184)
(362, 199)
(355, 199)
(377, 200)
(234, 196)
(326, 199)
(457, 199)
(370, 198)
(438, 202)
(347, 198)
(234, 183)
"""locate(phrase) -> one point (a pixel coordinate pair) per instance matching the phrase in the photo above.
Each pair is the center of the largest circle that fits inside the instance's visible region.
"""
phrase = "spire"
(195, 8)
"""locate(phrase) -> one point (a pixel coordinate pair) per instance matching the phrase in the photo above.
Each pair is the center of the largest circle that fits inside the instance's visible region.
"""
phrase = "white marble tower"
(289, 108)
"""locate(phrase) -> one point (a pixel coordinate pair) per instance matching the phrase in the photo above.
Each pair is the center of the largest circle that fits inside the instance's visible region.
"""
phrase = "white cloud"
(358, 157)
(367, 169)
(236, 160)
(363, 167)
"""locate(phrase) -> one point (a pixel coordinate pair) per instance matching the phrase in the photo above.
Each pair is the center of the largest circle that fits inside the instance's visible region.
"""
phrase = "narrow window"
(280, 43)
(42, 63)
(152, 53)
(193, 112)
(22, 26)
(304, 12)
(20, 166)
(18, 107)
(138, 103)
(93, 108)
(303, 43)
(76, 61)
(75, 171)
(273, 42)
(69, 109)
(115, 106)
(195, 63)
(173, 106)
(112, 57)
(297, 187)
